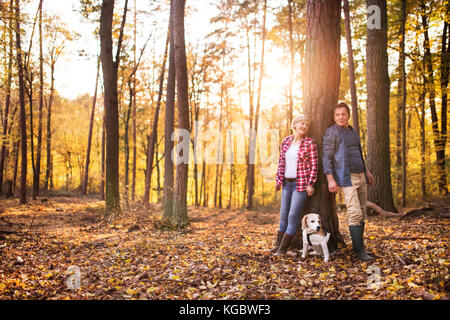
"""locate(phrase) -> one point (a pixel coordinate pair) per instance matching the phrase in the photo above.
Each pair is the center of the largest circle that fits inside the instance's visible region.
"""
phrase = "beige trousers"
(355, 198)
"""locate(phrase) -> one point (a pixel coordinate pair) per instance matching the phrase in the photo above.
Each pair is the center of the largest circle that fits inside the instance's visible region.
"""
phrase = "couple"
(344, 166)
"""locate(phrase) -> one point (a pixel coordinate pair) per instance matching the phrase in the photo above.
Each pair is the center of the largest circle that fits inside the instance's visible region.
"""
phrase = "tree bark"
(437, 138)
(153, 134)
(351, 67)
(110, 68)
(321, 92)
(91, 125)
(7, 97)
(378, 153)
(181, 178)
(23, 127)
(169, 126)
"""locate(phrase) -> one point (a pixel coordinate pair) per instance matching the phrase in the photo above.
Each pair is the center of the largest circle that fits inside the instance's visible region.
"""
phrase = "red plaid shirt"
(307, 162)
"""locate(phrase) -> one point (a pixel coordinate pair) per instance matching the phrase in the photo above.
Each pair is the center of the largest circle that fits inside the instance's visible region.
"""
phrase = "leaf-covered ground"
(224, 254)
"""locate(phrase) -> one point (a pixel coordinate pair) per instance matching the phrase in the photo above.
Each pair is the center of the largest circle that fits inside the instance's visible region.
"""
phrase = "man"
(344, 166)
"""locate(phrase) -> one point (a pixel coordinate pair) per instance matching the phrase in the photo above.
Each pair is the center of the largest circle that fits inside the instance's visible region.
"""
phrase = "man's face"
(341, 117)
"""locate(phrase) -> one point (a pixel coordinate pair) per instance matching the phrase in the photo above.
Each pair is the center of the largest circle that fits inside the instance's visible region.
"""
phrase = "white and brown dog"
(314, 236)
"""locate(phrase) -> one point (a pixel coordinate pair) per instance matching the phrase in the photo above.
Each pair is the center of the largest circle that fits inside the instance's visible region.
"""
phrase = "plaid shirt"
(307, 162)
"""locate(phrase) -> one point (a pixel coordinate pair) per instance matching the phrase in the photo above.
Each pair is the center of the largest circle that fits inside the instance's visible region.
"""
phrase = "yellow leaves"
(131, 292)
(152, 289)
(395, 285)
(2, 286)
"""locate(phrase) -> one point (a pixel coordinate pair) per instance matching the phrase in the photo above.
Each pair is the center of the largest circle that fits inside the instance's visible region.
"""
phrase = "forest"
(140, 142)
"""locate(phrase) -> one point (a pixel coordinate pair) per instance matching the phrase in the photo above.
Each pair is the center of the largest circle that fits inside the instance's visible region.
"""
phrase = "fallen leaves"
(224, 254)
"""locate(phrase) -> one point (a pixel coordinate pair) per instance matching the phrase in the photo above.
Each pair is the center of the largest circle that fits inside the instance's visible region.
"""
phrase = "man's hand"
(332, 185)
(370, 179)
(309, 190)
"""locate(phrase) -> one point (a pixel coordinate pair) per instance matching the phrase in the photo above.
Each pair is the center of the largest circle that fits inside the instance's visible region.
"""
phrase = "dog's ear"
(320, 222)
(304, 222)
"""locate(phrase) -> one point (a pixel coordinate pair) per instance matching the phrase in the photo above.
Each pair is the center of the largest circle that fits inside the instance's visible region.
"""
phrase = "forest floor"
(46, 245)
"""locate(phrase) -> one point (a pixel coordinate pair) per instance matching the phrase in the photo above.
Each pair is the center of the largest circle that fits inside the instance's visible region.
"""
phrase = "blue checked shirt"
(335, 158)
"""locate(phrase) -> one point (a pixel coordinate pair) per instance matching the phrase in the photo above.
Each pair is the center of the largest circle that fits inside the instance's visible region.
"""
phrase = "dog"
(314, 236)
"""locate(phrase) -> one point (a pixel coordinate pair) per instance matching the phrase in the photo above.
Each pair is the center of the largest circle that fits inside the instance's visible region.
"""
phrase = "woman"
(297, 173)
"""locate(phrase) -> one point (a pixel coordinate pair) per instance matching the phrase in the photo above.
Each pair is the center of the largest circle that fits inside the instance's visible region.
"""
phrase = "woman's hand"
(309, 190)
(277, 187)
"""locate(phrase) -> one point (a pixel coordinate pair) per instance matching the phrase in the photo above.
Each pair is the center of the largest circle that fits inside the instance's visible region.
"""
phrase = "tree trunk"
(102, 164)
(110, 68)
(91, 125)
(438, 141)
(169, 126)
(181, 179)
(378, 153)
(351, 67)
(321, 92)
(49, 169)
(153, 134)
(37, 172)
(7, 98)
(403, 104)
(23, 126)
(253, 134)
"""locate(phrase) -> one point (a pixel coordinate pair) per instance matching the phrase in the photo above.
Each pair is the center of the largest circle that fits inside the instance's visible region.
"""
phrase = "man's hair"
(342, 105)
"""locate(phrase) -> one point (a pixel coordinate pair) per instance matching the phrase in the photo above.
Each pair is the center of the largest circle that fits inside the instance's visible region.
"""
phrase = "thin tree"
(91, 125)
(7, 96)
(351, 67)
(153, 134)
(23, 127)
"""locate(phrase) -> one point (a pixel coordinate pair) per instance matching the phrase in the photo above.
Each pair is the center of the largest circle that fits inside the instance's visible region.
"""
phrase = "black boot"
(356, 232)
(278, 241)
(284, 246)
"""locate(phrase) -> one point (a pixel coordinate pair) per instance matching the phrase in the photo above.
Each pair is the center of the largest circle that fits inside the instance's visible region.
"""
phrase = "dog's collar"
(308, 235)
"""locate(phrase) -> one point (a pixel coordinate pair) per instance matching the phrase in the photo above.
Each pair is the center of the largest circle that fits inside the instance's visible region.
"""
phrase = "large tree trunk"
(321, 92)
(181, 178)
(378, 154)
(23, 126)
(110, 67)
(91, 125)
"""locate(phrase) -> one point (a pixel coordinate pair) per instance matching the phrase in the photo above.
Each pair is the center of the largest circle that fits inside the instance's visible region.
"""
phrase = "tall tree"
(351, 67)
(253, 134)
(439, 142)
(84, 185)
(180, 192)
(8, 94)
(23, 126)
(110, 70)
(378, 83)
(154, 131)
(169, 126)
(321, 91)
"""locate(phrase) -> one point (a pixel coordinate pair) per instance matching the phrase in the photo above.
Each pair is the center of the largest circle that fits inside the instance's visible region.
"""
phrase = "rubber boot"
(356, 232)
(284, 246)
(278, 241)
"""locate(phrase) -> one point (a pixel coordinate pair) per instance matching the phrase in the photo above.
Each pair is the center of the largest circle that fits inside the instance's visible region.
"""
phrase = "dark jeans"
(292, 203)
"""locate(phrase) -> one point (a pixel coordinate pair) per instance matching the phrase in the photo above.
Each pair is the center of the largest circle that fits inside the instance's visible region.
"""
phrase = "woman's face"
(301, 127)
